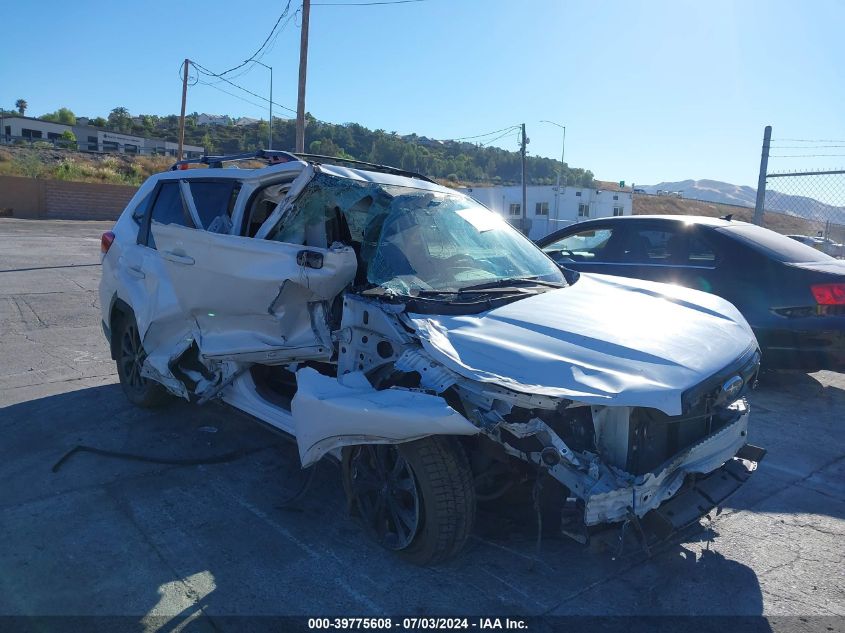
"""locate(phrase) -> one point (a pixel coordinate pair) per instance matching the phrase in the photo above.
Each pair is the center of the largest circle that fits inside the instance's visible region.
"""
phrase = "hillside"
(58, 164)
(452, 160)
(724, 192)
(664, 205)
(710, 191)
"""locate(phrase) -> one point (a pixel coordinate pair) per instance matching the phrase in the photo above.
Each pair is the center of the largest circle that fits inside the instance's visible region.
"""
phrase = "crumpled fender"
(603, 341)
(328, 414)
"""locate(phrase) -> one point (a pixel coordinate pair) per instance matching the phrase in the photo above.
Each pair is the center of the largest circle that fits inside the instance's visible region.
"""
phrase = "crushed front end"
(616, 463)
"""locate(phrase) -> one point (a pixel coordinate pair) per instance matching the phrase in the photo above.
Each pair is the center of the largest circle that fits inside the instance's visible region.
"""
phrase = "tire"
(438, 513)
(130, 356)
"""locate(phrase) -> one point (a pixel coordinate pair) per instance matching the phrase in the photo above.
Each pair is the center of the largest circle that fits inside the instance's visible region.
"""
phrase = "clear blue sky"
(649, 90)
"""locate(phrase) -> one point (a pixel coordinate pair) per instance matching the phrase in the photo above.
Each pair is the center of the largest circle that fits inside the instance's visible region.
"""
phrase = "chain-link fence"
(808, 205)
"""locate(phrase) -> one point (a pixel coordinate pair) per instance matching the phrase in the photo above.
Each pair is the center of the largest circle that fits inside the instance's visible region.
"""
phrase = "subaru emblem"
(730, 389)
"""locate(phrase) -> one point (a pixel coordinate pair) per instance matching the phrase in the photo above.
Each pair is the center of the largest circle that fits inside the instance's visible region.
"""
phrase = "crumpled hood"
(604, 340)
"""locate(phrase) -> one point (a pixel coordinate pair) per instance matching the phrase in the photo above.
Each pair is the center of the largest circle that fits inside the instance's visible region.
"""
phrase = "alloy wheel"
(132, 358)
(386, 494)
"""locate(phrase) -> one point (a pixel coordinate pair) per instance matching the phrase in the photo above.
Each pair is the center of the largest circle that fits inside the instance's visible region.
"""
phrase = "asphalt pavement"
(172, 546)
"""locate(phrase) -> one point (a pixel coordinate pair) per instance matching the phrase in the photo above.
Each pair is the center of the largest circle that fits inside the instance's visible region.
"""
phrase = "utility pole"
(759, 207)
(270, 68)
(303, 71)
(182, 116)
(523, 215)
(559, 171)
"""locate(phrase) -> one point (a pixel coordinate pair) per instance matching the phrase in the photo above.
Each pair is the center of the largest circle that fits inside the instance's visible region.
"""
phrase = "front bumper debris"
(700, 494)
(649, 492)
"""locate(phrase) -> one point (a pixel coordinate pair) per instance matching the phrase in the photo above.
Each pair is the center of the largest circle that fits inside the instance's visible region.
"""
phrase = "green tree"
(62, 115)
(21, 105)
(99, 122)
(208, 143)
(120, 119)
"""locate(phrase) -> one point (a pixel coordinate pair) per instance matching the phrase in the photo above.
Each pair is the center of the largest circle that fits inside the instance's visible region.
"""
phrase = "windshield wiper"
(510, 284)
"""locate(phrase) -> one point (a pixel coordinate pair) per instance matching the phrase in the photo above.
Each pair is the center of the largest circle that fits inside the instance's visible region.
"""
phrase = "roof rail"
(387, 169)
(278, 156)
(272, 156)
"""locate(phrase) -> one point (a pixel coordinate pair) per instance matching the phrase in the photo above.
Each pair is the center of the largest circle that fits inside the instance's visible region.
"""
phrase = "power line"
(490, 142)
(804, 140)
(232, 94)
(362, 4)
(462, 138)
(806, 146)
(263, 54)
(180, 71)
(805, 155)
(267, 39)
(206, 71)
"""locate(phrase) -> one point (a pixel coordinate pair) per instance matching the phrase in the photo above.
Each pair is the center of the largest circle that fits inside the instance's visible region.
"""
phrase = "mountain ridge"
(720, 192)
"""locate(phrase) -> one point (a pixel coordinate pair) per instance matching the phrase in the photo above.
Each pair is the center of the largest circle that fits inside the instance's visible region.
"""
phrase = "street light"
(559, 171)
(270, 68)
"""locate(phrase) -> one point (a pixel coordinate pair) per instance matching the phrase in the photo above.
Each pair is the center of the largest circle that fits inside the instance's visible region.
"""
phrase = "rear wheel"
(415, 498)
(130, 357)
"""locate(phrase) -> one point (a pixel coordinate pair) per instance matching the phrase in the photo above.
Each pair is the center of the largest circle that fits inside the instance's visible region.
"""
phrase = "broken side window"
(317, 216)
(167, 209)
(214, 201)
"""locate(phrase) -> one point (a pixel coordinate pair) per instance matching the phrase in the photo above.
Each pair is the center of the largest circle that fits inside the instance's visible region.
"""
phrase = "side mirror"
(309, 259)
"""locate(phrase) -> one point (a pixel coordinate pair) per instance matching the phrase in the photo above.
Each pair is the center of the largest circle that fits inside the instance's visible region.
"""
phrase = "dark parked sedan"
(792, 295)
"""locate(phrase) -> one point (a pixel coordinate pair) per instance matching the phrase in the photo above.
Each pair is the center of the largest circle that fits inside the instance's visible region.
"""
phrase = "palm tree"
(21, 105)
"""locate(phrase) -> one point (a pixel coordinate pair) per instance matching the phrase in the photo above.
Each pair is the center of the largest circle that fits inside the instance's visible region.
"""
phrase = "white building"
(549, 210)
(32, 129)
(213, 119)
(28, 130)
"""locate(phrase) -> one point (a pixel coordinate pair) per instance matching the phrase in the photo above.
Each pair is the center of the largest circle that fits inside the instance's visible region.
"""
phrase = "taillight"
(829, 294)
(106, 241)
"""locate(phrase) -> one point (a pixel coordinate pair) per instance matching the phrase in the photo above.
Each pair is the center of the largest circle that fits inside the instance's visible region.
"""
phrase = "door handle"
(136, 272)
(309, 259)
(178, 259)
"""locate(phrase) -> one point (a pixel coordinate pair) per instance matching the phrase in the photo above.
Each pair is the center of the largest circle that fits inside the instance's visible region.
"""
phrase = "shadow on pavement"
(106, 536)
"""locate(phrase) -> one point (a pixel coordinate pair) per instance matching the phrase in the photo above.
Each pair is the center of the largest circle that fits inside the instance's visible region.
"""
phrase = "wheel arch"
(118, 309)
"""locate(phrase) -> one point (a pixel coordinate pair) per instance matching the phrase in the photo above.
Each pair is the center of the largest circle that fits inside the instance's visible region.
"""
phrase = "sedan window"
(774, 245)
(700, 252)
(649, 246)
(584, 246)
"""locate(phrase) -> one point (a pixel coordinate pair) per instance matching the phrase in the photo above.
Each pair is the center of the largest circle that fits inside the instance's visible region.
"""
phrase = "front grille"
(746, 367)
(654, 437)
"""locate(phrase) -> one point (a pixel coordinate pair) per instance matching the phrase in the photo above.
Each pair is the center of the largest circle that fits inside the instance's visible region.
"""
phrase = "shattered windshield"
(411, 239)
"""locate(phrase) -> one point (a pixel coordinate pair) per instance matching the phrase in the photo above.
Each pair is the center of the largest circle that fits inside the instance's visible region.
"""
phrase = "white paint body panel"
(327, 414)
(604, 340)
(239, 295)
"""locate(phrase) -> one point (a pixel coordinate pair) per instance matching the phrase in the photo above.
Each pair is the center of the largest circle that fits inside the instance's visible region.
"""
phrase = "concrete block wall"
(37, 198)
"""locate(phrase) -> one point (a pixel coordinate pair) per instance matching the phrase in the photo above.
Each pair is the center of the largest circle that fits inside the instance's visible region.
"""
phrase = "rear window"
(773, 244)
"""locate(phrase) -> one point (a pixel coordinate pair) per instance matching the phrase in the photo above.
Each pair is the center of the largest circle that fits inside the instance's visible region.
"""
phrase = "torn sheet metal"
(329, 415)
(256, 304)
(648, 491)
(286, 203)
(603, 340)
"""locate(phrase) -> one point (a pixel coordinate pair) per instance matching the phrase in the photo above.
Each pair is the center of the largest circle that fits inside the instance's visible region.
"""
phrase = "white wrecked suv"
(407, 331)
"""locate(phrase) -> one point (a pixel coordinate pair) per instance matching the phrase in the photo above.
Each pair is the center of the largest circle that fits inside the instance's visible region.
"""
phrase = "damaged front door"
(252, 300)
